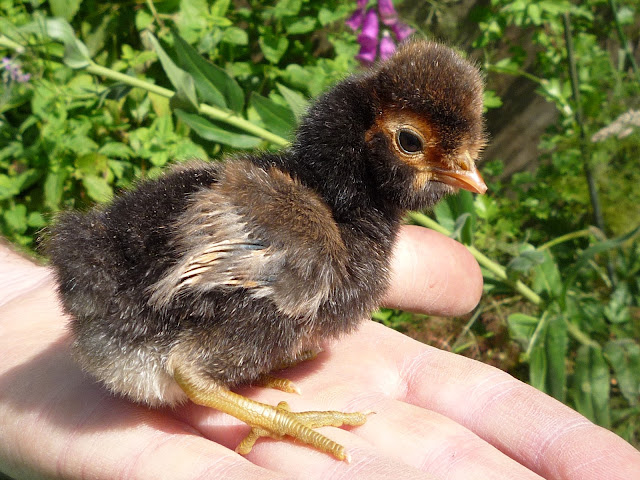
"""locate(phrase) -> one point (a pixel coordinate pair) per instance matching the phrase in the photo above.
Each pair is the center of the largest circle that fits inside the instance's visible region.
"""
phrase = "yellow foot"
(284, 385)
(300, 425)
(269, 421)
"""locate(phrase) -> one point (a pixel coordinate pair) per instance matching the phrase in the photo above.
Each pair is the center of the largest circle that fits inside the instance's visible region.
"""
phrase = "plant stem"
(498, 270)
(586, 160)
(580, 336)
(227, 117)
(213, 112)
(564, 238)
(622, 38)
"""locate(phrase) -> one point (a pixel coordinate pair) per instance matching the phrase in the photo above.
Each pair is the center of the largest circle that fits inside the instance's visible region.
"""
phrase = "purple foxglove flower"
(387, 12)
(355, 21)
(401, 31)
(387, 46)
(369, 28)
(368, 39)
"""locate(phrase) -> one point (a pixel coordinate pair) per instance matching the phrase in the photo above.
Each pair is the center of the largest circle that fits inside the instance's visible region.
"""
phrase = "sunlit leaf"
(624, 357)
(297, 102)
(16, 218)
(183, 82)
(64, 8)
(273, 47)
(214, 85)
(277, 119)
(76, 54)
(521, 327)
(556, 346)
(53, 188)
(214, 133)
(97, 188)
(590, 386)
(547, 276)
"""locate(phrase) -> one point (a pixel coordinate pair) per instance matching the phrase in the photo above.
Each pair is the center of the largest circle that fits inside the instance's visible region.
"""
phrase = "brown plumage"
(216, 274)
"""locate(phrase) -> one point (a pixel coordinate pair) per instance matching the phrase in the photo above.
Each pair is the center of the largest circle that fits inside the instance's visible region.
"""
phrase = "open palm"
(438, 415)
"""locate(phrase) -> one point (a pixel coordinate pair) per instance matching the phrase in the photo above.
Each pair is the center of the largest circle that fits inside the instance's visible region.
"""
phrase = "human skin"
(438, 415)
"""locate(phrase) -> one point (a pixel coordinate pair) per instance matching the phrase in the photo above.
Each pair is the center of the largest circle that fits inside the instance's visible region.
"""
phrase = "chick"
(216, 274)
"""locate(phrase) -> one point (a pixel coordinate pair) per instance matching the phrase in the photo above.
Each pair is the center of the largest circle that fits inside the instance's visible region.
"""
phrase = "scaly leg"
(274, 422)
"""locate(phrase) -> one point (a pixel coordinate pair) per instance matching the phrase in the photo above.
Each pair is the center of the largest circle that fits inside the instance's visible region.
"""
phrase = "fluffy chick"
(215, 274)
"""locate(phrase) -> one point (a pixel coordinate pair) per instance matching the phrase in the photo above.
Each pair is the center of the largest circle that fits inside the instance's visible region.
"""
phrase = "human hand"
(437, 414)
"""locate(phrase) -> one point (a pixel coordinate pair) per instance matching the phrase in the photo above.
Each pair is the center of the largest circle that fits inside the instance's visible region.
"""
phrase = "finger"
(435, 444)
(534, 429)
(432, 273)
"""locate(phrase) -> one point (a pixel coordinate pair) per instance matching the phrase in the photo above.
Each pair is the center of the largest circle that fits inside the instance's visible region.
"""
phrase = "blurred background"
(96, 95)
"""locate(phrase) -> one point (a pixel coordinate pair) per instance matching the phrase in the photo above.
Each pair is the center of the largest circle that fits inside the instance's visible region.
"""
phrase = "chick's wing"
(258, 230)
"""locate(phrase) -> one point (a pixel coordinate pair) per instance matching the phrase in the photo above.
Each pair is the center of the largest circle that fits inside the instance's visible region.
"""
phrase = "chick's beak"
(466, 176)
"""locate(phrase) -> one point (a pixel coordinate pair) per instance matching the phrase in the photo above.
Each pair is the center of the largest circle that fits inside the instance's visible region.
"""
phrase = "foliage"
(579, 334)
(71, 136)
(113, 97)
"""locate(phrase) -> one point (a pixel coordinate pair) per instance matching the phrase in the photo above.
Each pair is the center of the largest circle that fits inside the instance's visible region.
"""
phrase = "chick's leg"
(275, 422)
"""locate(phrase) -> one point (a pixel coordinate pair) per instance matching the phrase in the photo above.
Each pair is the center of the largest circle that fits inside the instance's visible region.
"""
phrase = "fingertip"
(434, 274)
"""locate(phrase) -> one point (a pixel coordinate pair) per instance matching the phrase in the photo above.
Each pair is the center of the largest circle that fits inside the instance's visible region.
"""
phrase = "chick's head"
(427, 131)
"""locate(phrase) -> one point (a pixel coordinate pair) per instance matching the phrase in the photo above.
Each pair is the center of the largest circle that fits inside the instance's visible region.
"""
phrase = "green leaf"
(302, 25)
(624, 357)
(547, 277)
(36, 220)
(212, 132)
(273, 47)
(594, 250)
(617, 311)
(277, 119)
(287, 8)
(214, 85)
(184, 84)
(556, 346)
(581, 387)
(449, 211)
(220, 7)
(328, 15)
(53, 188)
(535, 13)
(64, 8)
(97, 188)
(522, 327)
(143, 20)
(8, 188)
(461, 224)
(76, 54)
(21, 182)
(297, 102)
(591, 385)
(526, 261)
(116, 150)
(457, 211)
(491, 100)
(235, 36)
(16, 218)
(538, 367)
(91, 164)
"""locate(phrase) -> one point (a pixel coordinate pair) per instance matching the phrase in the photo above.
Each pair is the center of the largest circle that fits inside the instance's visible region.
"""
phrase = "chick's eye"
(409, 142)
